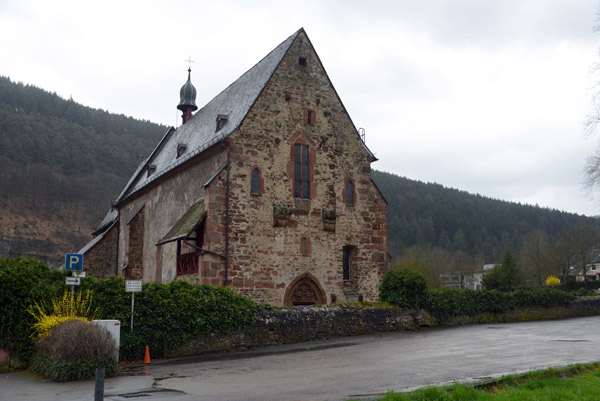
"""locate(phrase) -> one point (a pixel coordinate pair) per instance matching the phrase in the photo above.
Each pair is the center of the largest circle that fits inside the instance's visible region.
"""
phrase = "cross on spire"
(189, 61)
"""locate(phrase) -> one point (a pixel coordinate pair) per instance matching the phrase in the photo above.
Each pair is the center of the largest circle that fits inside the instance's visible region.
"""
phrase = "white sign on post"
(72, 281)
(133, 286)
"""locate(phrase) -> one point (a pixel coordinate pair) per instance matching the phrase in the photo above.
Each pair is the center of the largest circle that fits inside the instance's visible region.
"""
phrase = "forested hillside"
(426, 214)
(61, 165)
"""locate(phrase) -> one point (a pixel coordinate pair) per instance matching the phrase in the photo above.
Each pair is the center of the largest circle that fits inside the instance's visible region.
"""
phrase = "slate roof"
(109, 219)
(186, 224)
(198, 133)
(97, 238)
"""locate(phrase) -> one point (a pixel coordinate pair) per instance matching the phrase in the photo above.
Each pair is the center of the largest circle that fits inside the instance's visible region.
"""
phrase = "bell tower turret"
(187, 96)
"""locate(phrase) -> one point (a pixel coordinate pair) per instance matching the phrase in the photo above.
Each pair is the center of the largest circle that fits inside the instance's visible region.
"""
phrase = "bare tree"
(592, 122)
(563, 254)
(585, 240)
(534, 259)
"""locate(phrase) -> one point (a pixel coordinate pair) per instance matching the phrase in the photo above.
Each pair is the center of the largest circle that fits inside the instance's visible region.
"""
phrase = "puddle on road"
(135, 370)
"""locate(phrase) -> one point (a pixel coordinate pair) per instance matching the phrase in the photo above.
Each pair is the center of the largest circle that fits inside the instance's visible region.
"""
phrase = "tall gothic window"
(349, 193)
(255, 182)
(301, 176)
(346, 262)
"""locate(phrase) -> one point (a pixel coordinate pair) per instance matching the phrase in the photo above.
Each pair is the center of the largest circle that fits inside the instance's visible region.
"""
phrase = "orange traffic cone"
(147, 356)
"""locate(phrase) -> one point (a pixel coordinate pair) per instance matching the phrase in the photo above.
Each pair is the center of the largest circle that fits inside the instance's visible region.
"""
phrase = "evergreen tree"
(505, 277)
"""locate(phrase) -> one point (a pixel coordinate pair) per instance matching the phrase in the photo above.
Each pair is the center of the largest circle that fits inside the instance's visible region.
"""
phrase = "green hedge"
(445, 303)
(22, 282)
(404, 287)
(572, 286)
(167, 315)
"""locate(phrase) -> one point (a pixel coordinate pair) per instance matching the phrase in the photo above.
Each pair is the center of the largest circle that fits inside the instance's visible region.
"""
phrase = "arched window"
(255, 182)
(349, 193)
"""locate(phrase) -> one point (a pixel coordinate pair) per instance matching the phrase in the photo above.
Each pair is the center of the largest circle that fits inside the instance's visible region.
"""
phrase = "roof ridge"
(294, 35)
(199, 131)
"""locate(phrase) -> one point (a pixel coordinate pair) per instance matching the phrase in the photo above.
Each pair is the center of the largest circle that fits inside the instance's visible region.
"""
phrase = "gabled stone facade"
(272, 196)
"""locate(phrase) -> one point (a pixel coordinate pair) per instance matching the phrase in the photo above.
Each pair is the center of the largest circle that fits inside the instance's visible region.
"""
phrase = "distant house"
(592, 271)
(472, 281)
(266, 188)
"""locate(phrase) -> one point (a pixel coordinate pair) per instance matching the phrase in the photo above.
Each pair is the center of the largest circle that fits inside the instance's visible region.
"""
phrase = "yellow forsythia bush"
(46, 323)
(552, 280)
(67, 307)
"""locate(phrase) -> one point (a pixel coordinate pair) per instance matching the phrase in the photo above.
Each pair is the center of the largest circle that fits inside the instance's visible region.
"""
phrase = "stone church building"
(266, 188)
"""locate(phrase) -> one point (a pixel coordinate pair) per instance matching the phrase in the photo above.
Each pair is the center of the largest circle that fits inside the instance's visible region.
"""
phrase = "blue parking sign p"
(74, 262)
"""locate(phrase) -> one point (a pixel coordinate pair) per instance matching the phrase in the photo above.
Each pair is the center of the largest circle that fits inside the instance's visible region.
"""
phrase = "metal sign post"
(133, 286)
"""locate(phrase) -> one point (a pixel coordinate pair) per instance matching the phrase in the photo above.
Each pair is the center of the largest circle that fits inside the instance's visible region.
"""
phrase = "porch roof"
(186, 224)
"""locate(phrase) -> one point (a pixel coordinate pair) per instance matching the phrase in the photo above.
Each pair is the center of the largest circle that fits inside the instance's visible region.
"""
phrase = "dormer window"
(221, 120)
(151, 169)
(181, 149)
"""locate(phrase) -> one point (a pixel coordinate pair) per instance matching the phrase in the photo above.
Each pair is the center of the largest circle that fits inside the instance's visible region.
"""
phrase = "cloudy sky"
(489, 97)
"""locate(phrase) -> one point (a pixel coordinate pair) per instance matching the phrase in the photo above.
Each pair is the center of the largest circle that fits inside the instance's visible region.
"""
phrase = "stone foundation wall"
(299, 324)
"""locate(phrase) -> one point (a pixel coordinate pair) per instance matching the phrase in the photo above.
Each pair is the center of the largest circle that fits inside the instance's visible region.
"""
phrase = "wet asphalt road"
(336, 369)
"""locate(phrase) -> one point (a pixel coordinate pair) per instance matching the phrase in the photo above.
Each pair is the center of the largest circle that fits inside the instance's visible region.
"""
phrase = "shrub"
(405, 288)
(78, 340)
(571, 286)
(445, 303)
(61, 309)
(73, 350)
(22, 282)
(62, 371)
(582, 292)
(167, 315)
(550, 297)
(48, 322)
(552, 280)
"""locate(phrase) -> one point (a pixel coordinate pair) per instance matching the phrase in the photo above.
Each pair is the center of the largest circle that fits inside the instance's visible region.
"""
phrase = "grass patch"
(576, 382)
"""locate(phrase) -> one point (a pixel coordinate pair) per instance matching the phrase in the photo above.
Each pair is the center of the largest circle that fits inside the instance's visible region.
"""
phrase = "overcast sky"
(489, 97)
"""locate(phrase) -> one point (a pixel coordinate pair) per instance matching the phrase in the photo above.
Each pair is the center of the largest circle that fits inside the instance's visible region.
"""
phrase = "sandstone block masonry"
(284, 243)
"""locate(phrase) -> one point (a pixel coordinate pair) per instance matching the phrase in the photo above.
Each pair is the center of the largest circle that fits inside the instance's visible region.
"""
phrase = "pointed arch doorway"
(304, 290)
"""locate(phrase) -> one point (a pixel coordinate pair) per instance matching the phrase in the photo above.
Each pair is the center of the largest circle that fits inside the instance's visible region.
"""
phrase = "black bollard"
(99, 391)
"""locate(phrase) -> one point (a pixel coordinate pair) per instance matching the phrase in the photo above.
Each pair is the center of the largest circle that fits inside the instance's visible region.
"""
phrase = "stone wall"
(273, 253)
(300, 324)
(101, 259)
(135, 251)
(164, 203)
